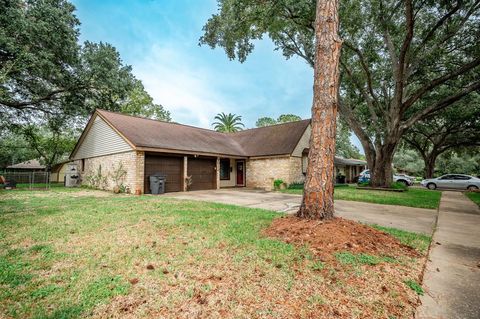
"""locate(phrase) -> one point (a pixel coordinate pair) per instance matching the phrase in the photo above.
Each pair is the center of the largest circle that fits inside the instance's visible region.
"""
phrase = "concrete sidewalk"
(452, 277)
(417, 220)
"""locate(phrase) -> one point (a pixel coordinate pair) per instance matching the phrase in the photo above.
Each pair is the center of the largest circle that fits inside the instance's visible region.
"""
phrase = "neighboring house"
(252, 158)
(57, 174)
(27, 166)
(349, 167)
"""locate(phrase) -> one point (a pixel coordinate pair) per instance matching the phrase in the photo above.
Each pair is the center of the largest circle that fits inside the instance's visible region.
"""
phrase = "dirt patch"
(325, 238)
(382, 282)
(54, 193)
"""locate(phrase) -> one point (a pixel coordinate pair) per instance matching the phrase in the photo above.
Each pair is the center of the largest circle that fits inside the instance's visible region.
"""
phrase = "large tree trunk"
(429, 161)
(382, 171)
(317, 200)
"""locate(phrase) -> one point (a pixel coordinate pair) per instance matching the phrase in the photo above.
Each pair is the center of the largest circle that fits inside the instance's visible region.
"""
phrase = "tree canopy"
(228, 123)
(452, 129)
(459, 162)
(49, 83)
(343, 145)
(43, 69)
(283, 118)
(402, 61)
(406, 160)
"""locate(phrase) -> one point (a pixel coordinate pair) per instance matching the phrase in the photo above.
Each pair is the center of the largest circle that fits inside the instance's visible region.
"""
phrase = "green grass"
(97, 243)
(414, 197)
(474, 196)
(415, 287)
(22, 186)
(73, 253)
(420, 242)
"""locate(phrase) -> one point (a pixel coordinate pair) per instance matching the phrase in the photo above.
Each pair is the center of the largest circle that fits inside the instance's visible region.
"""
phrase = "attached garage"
(144, 147)
(172, 166)
(203, 173)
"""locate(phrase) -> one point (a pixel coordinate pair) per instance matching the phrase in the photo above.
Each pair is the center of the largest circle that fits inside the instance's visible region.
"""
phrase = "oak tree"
(454, 128)
(402, 61)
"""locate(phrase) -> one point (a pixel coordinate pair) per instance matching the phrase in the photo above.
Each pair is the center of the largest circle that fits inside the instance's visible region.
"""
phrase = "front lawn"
(414, 197)
(474, 196)
(80, 253)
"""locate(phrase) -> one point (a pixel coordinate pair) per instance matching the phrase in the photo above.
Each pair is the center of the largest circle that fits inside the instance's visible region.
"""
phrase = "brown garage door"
(171, 166)
(203, 173)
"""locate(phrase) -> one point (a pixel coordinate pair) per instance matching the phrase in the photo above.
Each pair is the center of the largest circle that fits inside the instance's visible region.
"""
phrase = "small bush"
(363, 184)
(277, 183)
(398, 185)
(296, 185)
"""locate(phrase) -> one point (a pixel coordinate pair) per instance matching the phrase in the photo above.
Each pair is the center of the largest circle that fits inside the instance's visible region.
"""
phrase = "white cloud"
(182, 85)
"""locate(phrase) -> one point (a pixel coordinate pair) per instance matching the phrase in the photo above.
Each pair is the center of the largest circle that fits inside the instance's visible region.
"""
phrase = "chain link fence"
(27, 180)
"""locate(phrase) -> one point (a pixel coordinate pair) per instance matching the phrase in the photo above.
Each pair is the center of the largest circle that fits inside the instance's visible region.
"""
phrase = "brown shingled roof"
(271, 140)
(266, 141)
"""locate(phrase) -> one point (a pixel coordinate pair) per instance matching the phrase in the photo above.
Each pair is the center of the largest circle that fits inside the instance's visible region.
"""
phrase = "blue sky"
(159, 39)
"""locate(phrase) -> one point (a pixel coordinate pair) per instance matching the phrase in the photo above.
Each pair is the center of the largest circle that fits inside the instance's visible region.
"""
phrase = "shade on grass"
(414, 197)
(75, 253)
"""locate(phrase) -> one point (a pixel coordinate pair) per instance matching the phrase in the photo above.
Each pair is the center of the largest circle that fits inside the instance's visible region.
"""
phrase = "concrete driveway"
(417, 220)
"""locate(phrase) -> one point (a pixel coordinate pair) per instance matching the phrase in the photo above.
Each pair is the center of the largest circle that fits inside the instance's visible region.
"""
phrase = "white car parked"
(400, 178)
(455, 181)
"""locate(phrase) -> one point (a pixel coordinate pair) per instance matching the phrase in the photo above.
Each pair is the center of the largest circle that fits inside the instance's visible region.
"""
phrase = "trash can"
(157, 183)
(341, 179)
(10, 184)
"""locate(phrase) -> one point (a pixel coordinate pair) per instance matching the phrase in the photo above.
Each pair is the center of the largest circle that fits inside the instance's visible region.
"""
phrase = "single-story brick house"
(249, 158)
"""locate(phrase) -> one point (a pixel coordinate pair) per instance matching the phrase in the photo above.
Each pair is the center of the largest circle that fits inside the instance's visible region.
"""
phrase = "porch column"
(217, 175)
(185, 172)
(139, 173)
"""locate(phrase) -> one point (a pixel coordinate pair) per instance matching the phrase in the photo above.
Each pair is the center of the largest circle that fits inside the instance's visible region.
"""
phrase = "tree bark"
(429, 161)
(381, 173)
(317, 200)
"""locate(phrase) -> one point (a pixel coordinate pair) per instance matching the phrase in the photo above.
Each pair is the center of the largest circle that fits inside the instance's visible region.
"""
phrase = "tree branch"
(439, 105)
(365, 68)
(400, 72)
(28, 104)
(387, 39)
(439, 24)
(298, 50)
(367, 98)
(438, 81)
(356, 128)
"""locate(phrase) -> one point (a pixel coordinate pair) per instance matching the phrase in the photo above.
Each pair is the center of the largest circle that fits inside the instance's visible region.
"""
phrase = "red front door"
(240, 173)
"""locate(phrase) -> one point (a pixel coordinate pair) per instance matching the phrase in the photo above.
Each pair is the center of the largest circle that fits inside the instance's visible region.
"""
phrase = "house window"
(225, 169)
(83, 165)
(304, 163)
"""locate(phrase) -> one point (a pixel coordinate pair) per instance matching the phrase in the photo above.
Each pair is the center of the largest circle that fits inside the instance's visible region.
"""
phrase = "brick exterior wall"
(262, 172)
(133, 163)
(296, 172)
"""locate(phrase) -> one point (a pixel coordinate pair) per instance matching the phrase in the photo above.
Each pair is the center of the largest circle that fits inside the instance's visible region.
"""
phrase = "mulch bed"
(325, 238)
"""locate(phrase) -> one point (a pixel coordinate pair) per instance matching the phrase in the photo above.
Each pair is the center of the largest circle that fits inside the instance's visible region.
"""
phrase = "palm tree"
(228, 123)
